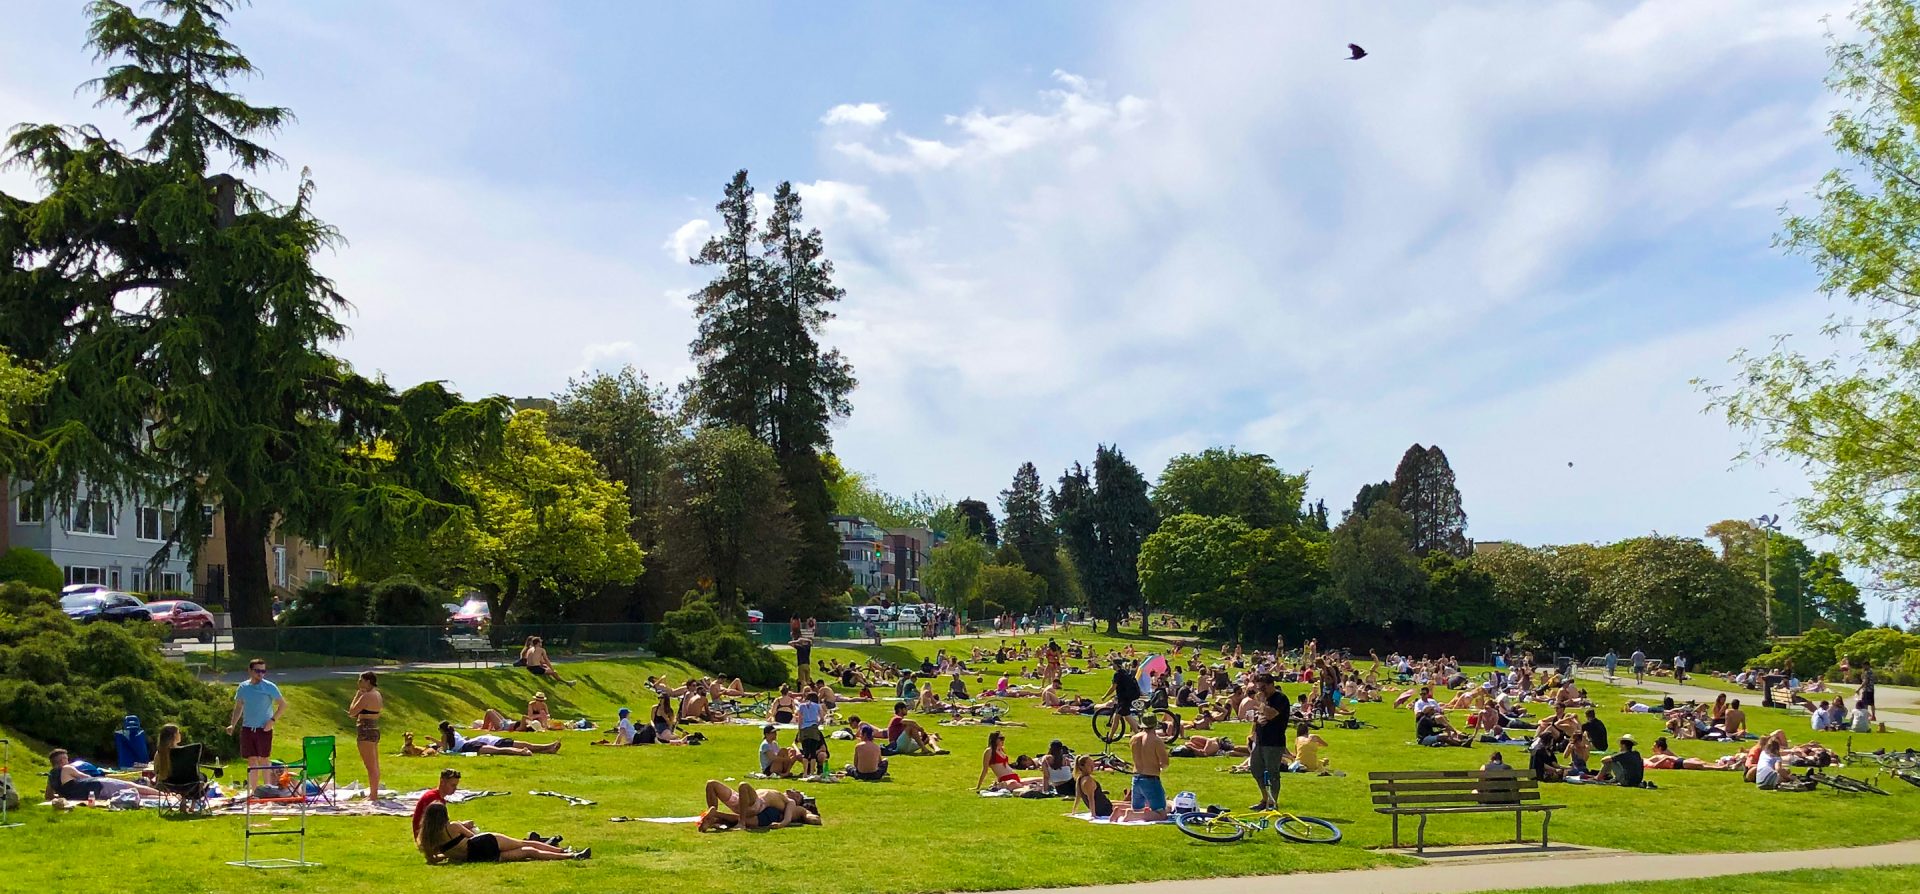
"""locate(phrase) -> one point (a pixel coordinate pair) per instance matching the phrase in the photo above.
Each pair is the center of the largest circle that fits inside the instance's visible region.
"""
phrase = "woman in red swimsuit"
(994, 761)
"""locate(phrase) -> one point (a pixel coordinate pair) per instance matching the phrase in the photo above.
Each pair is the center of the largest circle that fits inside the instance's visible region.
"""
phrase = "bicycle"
(1110, 726)
(1843, 783)
(1222, 826)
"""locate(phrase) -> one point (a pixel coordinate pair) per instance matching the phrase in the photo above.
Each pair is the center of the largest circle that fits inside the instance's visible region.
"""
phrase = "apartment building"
(100, 541)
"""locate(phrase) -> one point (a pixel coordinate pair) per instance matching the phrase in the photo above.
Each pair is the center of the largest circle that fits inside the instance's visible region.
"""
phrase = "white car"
(909, 614)
(869, 613)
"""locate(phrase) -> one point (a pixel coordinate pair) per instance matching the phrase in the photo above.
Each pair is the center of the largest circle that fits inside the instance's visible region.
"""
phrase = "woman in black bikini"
(1087, 790)
(365, 711)
(444, 841)
(784, 705)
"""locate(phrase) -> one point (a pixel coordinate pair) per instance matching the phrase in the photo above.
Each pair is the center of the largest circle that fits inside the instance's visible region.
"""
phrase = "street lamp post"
(1768, 524)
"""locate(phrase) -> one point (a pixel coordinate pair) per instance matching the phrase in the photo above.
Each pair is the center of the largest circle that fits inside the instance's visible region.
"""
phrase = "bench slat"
(1464, 785)
(1491, 797)
(1449, 774)
(1508, 808)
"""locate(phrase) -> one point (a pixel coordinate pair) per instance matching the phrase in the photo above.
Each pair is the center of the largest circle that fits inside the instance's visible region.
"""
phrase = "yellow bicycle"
(1222, 826)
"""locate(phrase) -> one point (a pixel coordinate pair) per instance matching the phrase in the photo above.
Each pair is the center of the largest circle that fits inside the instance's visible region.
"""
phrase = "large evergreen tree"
(1030, 530)
(762, 368)
(1123, 517)
(181, 309)
(1423, 487)
(1072, 506)
(979, 521)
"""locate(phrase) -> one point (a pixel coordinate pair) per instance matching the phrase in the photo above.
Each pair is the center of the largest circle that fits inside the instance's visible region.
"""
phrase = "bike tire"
(1107, 727)
(1912, 779)
(1211, 827)
(1307, 830)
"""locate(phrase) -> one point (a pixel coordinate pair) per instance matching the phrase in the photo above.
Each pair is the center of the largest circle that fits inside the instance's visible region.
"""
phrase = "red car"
(185, 618)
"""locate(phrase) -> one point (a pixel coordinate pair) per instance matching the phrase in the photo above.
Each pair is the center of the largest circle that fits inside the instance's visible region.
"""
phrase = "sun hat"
(539, 696)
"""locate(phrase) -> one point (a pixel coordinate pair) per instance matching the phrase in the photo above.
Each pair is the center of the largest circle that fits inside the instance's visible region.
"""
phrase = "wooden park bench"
(1424, 793)
(472, 646)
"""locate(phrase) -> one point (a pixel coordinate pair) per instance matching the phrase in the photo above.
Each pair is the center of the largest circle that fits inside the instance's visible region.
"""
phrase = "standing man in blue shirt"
(256, 705)
(1613, 662)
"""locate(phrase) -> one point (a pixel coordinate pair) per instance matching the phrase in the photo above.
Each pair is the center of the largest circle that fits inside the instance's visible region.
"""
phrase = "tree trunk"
(499, 603)
(1146, 620)
(249, 594)
(1113, 626)
(6, 505)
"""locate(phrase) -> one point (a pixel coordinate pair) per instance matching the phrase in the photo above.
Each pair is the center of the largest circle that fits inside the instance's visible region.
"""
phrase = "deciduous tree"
(727, 516)
(1223, 481)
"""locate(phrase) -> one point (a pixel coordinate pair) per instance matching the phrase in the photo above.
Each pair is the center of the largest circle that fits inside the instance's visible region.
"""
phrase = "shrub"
(327, 605)
(1812, 654)
(1907, 672)
(404, 602)
(31, 568)
(696, 635)
(1878, 646)
(70, 686)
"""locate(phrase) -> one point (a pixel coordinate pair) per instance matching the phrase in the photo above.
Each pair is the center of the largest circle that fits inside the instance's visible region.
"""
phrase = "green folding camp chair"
(317, 757)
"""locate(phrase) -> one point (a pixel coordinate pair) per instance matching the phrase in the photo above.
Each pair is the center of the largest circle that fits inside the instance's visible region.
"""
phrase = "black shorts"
(483, 848)
(768, 816)
(537, 670)
(1866, 697)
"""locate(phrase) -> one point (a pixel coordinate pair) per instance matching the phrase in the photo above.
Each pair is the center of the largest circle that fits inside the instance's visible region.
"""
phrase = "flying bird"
(1358, 53)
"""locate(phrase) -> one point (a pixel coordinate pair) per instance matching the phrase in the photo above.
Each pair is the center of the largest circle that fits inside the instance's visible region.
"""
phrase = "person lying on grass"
(443, 840)
(1663, 758)
(745, 808)
(1208, 746)
(64, 780)
(868, 764)
(907, 736)
(451, 741)
(496, 721)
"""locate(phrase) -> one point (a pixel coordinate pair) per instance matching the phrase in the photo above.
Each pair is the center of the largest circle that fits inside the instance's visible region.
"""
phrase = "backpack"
(8, 794)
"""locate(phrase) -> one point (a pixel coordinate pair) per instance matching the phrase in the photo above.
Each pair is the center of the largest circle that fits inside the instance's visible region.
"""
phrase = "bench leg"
(1547, 817)
(1396, 829)
(1420, 842)
(1517, 835)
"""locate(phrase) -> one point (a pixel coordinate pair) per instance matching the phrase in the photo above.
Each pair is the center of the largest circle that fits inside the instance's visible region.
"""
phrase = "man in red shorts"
(256, 706)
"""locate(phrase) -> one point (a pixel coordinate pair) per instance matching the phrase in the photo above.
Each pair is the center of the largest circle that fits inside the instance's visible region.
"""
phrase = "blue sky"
(1516, 229)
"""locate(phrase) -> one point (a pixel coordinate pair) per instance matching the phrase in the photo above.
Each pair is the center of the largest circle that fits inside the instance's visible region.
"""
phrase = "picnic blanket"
(749, 721)
(1108, 821)
(675, 820)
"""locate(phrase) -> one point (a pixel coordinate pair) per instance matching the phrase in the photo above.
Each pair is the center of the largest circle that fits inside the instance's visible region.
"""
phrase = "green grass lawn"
(1870, 880)
(925, 830)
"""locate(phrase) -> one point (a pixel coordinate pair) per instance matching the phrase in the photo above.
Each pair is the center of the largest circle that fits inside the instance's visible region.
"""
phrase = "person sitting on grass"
(1734, 723)
(443, 840)
(1542, 760)
(907, 736)
(775, 760)
(537, 715)
(534, 658)
(1770, 771)
(928, 703)
(64, 780)
(451, 741)
(1432, 730)
(1306, 751)
(994, 762)
(868, 764)
(1087, 792)
(957, 689)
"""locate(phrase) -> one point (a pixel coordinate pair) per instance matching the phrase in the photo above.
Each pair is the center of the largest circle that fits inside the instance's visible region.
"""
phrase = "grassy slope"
(936, 834)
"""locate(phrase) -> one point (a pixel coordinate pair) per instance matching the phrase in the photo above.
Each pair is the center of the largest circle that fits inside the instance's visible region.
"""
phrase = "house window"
(156, 524)
(170, 581)
(318, 576)
(139, 576)
(31, 511)
(92, 517)
(82, 574)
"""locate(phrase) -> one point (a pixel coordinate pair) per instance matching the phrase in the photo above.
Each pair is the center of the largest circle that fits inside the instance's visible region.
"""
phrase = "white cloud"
(688, 238)
(1078, 110)
(866, 114)
(831, 202)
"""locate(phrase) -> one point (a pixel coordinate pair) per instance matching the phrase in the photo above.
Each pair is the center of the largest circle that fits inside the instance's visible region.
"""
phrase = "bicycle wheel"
(1214, 827)
(1109, 726)
(1307, 830)
(1908, 777)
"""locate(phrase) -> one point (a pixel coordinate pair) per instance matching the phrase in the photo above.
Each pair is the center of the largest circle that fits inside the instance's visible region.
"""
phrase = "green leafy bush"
(1812, 654)
(696, 635)
(402, 601)
(1907, 672)
(1878, 646)
(327, 605)
(31, 568)
(70, 685)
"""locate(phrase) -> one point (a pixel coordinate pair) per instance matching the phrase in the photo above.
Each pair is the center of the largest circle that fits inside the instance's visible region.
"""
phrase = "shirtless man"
(1149, 801)
(534, 657)
(868, 765)
(1736, 721)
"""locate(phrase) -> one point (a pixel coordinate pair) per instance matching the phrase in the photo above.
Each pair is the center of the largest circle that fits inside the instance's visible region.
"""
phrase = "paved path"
(1896, 698)
(1539, 872)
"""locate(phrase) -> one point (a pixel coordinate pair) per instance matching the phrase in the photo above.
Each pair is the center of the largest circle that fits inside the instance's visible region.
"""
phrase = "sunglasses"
(257, 670)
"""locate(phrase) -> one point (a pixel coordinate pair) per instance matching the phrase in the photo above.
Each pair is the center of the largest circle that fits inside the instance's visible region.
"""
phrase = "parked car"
(756, 616)
(909, 614)
(472, 614)
(869, 613)
(81, 589)
(183, 618)
(105, 605)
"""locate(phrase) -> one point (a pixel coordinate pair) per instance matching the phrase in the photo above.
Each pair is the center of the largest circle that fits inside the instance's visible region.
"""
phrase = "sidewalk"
(1890, 700)
(1541, 872)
